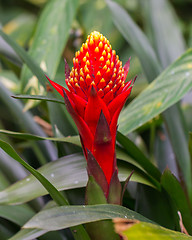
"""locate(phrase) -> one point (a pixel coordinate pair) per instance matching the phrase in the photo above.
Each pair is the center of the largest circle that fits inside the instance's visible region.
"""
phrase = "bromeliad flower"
(96, 95)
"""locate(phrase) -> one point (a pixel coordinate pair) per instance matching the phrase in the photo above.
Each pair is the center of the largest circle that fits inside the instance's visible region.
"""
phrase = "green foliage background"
(154, 137)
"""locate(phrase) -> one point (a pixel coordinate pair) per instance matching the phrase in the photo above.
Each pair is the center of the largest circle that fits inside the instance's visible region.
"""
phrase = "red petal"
(103, 148)
(57, 87)
(80, 103)
(94, 169)
(108, 97)
(118, 102)
(127, 85)
(115, 108)
(93, 110)
(83, 129)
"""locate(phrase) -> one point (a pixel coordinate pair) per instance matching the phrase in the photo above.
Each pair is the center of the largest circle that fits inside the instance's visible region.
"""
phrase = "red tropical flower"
(96, 95)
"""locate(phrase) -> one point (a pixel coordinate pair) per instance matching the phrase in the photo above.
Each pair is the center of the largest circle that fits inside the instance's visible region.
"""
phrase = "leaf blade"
(159, 95)
(66, 216)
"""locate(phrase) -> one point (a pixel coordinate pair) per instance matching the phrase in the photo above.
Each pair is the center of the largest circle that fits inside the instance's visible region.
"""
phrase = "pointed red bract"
(97, 93)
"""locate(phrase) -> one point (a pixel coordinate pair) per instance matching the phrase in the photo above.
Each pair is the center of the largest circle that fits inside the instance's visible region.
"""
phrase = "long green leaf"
(49, 41)
(73, 139)
(25, 57)
(136, 153)
(12, 169)
(54, 193)
(136, 37)
(169, 47)
(177, 195)
(159, 95)
(137, 161)
(167, 52)
(28, 234)
(25, 122)
(17, 214)
(63, 217)
(51, 36)
(66, 173)
(4, 182)
(163, 20)
(38, 97)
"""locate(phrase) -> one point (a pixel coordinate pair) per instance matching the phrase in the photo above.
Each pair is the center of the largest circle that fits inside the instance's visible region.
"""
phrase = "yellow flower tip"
(105, 68)
(96, 49)
(87, 63)
(81, 79)
(100, 44)
(88, 77)
(106, 46)
(77, 85)
(104, 53)
(77, 54)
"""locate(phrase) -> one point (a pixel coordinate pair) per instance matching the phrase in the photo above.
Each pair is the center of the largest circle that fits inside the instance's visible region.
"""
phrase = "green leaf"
(17, 214)
(49, 41)
(139, 160)
(12, 169)
(147, 231)
(66, 173)
(55, 194)
(10, 80)
(66, 216)
(25, 121)
(162, 93)
(105, 229)
(60, 117)
(137, 154)
(190, 145)
(38, 97)
(51, 36)
(170, 46)
(159, 95)
(136, 37)
(145, 199)
(74, 139)
(26, 58)
(21, 27)
(94, 193)
(28, 234)
(163, 152)
(4, 183)
(177, 132)
(177, 195)
(163, 20)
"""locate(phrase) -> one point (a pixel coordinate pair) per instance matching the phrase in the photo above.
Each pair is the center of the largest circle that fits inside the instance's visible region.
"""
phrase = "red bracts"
(96, 95)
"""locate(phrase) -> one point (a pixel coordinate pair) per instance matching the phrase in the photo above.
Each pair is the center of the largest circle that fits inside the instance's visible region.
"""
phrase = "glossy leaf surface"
(66, 216)
(66, 173)
(159, 95)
